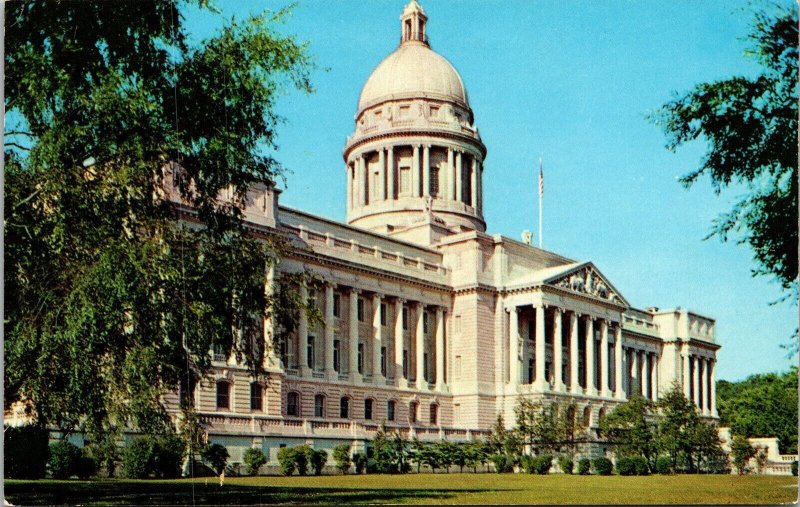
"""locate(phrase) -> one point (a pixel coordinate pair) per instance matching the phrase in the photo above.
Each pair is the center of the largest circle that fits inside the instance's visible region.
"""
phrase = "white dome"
(413, 70)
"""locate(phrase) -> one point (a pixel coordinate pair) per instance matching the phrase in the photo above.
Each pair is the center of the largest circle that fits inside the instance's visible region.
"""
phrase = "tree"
(341, 455)
(113, 299)
(503, 442)
(216, 455)
(762, 405)
(254, 459)
(741, 452)
(750, 126)
(631, 429)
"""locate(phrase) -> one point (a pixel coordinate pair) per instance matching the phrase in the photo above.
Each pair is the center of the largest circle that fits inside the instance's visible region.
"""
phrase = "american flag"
(541, 179)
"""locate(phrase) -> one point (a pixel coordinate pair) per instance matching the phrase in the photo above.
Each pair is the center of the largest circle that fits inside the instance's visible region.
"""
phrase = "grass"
(413, 488)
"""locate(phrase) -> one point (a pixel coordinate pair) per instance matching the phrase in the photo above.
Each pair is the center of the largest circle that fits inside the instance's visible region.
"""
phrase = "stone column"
(398, 343)
(353, 336)
(645, 366)
(349, 178)
(473, 187)
(415, 172)
(420, 348)
(704, 387)
(271, 359)
(451, 179)
(459, 178)
(590, 373)
(604, 390)
(686, 372)
(329, 327)
(426, 170)
(574, 386)
(619, 392)
(696, 381)
(302, 337)
(712, 398)
(363, 182)
(479, 198)
(654, 376)
(439, 348)
(391, 171)
(540, 382)
(635, 386)
(558, 381)
(513, 349)
(381, 186)
(377, 340)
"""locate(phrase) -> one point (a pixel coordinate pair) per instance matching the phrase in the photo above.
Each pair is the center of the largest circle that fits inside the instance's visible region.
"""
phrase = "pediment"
(587, 279)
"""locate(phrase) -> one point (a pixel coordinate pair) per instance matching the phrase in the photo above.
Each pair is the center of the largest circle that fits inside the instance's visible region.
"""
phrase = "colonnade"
(379, 340)
(642, 373)
(699, 381)
(458, 180)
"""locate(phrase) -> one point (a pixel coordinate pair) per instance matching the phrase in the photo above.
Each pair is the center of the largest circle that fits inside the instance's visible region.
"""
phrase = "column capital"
(514, 309)
(355, 290)
(558, 309)
(330, 284)
(377, 295)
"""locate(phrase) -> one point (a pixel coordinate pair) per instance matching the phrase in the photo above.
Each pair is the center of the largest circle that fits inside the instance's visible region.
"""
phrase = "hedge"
(566, 464)
(602, 466)
(584, 465)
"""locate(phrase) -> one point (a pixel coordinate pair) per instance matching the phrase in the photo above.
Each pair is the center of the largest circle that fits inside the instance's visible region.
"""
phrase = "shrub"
(166, 456)
(602, 466)
(136, 458)
(502, 463)
(625, 466)
(341, 455)
(318, 458)
(640, 465)
(301, 455)
(64, 458)
(794, 468)
(526, 462)
(253, 460)
(26, 452)
(286, 460)
(360, 462)
(566, 464)
(542, 464)
(216, 456)
(85, 467)
(664, 465)
(583, 466)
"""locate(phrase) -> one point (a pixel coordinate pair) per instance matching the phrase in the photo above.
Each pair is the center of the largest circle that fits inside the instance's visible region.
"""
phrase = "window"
(219, 353)
(368, 409)
(434, 413)
(383, 361)
(434, 183)
(360, 308)
(530, 370)
(405, 364)
(458, 323)
(458, 367)
(284, 352)
(456, 412)
(223, 395)
(293, 404)
(587, 417)
(390, 406)
(336, 355)
(310, 352)
(319, 405)
(405, 318)
(186, 395)
(337, 309)
(405, 172)
(412, 411)
(425, 367)
(425, 322)
(344, 407)
(256, 397)
(361, 358)
(383, 314)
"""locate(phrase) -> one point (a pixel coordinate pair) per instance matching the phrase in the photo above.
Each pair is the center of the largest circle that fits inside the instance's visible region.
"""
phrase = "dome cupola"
(415, 161)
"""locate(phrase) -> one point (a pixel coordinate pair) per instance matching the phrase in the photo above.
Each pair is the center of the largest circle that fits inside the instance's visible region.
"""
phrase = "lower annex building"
(431, 325)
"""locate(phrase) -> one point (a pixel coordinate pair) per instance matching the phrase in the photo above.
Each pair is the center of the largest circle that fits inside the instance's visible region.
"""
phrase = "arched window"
(412, 411)
(223, 395)
(256, 397)
(601, 414)
(293, 404)
(390, 408)
(587, 416)
(344, 407)
(319, 405)
(434, 413)
(368, 409)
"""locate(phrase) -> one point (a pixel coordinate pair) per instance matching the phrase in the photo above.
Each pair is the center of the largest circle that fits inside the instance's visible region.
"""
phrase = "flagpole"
(541, 195)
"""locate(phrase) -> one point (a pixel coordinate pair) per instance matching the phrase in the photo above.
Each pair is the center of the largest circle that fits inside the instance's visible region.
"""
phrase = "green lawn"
(414, 488)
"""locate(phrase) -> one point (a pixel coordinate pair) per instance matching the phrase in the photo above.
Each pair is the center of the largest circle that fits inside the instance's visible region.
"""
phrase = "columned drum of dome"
(414, 165)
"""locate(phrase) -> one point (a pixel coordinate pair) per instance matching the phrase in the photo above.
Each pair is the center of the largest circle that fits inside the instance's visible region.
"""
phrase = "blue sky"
(572, 80)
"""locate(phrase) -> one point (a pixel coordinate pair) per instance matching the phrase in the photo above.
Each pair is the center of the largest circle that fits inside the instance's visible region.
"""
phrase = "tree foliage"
(750, 127)
(114, 296)
(762, 405)
(631, 428)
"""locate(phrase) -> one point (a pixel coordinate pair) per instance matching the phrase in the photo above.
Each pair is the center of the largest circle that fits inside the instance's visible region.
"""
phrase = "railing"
(318, 374)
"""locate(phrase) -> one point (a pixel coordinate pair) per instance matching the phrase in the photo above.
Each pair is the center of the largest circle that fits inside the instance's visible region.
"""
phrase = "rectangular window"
(368, 409)
(360, 309)
(383, 314)
(425, 366)
(223, 395)
(434, 188)
(458, 367)
(219, 353)
(310, 352)
(383, 361)
(405, 181)
(456, 413)
(256, 397)
(337, 310)
(319, 406)
(425, 322)
(405, 363)
(390, 410)
(530, 370)
(336, 355)
(361, 358)
(458, 323)
(405, 319)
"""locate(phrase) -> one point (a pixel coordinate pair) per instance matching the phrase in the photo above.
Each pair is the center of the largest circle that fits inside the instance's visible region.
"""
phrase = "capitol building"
(430, 324)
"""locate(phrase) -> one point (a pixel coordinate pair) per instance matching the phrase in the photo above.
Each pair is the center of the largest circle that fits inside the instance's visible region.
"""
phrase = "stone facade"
(431, 325)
